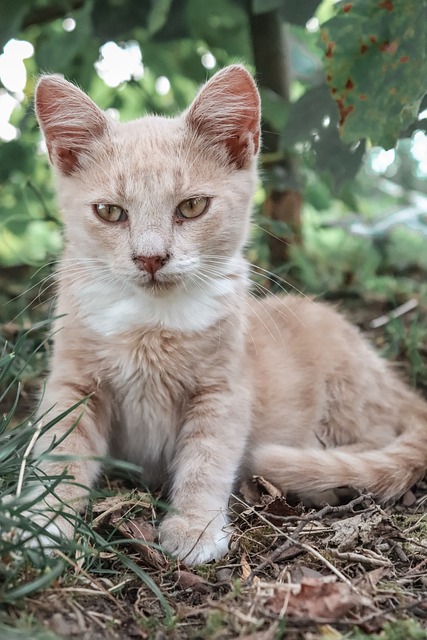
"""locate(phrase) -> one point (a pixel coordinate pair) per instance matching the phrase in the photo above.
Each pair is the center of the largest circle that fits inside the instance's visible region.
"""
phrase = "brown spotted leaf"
(376, 66)
(142, 535)
(315, 598)
(189, 580)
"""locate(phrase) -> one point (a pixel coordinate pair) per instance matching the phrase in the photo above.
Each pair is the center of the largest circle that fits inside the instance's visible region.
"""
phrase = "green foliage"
(30, 633)
(403, 343)
(376, 52)
(400, 630)
(313, 121)
(173, 36)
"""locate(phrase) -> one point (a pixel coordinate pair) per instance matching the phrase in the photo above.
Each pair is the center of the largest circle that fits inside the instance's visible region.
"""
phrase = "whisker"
(273, 235)
(203, 280)
(242, 299)
(282, 301)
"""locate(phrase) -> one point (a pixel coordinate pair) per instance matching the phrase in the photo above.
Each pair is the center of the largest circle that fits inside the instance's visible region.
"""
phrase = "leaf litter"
(278, 571)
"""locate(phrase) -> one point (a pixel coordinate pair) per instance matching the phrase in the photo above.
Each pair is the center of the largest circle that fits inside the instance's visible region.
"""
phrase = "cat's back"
(299, 324)
(307, 357)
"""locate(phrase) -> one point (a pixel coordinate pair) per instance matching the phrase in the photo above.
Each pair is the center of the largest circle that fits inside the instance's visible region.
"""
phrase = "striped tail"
(386, 472)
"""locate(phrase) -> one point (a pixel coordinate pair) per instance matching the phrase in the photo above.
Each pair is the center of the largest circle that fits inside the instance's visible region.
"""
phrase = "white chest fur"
(109, 308)
(151, 379)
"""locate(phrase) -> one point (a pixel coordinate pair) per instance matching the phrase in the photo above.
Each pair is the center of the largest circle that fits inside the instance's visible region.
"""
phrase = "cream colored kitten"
(188, 376)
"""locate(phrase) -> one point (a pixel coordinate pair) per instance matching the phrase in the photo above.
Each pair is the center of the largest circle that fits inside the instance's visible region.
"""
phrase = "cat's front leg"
(209, 451)
(69, 448)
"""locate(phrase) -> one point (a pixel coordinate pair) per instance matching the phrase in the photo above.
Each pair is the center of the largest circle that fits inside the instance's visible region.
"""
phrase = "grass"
(286, 565)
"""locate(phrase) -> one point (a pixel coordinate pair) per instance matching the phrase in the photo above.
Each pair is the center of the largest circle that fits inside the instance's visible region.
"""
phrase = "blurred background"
(341, 208)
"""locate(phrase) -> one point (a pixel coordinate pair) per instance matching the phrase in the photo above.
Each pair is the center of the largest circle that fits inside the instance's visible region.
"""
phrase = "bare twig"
(293, 540)
(326, 510)
(396, 313)
(350, 556)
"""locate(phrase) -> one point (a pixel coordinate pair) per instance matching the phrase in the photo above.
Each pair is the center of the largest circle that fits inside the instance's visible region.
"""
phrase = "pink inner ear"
(249, 121)
(227, 110)
(69, 120)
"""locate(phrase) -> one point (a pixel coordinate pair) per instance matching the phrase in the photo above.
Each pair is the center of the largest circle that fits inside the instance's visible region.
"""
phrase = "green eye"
(193, 207)
(110, 212)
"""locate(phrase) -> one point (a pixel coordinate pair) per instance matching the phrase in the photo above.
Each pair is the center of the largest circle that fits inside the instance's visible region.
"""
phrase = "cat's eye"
(110, 212)
(193, 207)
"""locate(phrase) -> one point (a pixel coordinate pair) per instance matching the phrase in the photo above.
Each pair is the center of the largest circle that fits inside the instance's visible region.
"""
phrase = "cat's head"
(155, 201)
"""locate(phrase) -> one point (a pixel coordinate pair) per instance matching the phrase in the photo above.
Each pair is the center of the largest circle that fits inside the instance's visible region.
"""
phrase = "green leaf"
(376, 64)
(70, 44)
(264, 6)
(273, 108)
(299, 11)
(11, 16)
(313, 121)
(158, 15)
(221, 24)
(293, 11)
(307, 114)
(306, 66)
(16, 155)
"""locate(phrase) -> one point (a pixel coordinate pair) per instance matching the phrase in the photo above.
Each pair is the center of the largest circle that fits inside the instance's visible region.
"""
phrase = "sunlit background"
(130, 76)
(118, 64)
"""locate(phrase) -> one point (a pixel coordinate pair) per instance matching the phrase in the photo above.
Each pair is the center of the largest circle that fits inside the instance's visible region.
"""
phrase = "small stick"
(351, 556)
(304, 546)
(326, 510)
(406, 307)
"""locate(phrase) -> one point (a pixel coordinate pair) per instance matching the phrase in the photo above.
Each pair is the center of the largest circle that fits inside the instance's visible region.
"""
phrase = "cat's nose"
(151, 263)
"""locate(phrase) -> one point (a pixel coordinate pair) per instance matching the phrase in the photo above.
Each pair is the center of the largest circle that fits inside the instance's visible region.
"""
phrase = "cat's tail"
(386, 472)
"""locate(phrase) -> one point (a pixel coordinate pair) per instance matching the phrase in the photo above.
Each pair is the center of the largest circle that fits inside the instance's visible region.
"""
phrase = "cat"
(184, 373)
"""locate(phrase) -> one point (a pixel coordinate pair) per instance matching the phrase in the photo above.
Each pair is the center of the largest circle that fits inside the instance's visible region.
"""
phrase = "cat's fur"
(189, 376)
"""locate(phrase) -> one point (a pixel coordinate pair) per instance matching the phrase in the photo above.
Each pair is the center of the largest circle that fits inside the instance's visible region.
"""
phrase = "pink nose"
(151, 263)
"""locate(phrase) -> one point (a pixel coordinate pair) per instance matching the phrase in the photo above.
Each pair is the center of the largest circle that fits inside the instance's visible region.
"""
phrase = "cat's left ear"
(228, 111)
(70, 121)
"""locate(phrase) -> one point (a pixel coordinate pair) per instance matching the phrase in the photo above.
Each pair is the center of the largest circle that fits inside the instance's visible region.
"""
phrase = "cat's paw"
(194, 541)
(39, 529)
(50, 532)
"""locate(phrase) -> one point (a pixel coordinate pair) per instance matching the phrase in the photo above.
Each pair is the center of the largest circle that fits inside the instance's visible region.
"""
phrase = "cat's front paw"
(194, 541)
(38, 528)
(50, 532)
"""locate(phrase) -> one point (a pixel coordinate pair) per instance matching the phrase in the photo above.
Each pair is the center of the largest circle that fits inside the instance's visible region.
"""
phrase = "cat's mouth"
(155, 285)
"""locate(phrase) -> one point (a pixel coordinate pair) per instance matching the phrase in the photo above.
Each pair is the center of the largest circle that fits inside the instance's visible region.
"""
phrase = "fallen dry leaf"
(257, 492)
(268, 634)
(246, 568)
(279, 507)
(269, 488)
(141, 535)
(315, 598)
(188, 580)
(371, 578)
(300, 572)
(137, 528)
(359, 528)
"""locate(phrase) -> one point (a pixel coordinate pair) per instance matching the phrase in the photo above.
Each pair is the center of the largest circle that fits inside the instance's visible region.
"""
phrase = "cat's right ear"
(70, 121)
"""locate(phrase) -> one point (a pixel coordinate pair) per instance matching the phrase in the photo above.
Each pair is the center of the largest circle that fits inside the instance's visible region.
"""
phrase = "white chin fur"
(109, 308)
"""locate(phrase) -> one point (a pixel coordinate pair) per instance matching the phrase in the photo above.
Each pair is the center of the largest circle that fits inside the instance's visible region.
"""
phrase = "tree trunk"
(283, 204)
